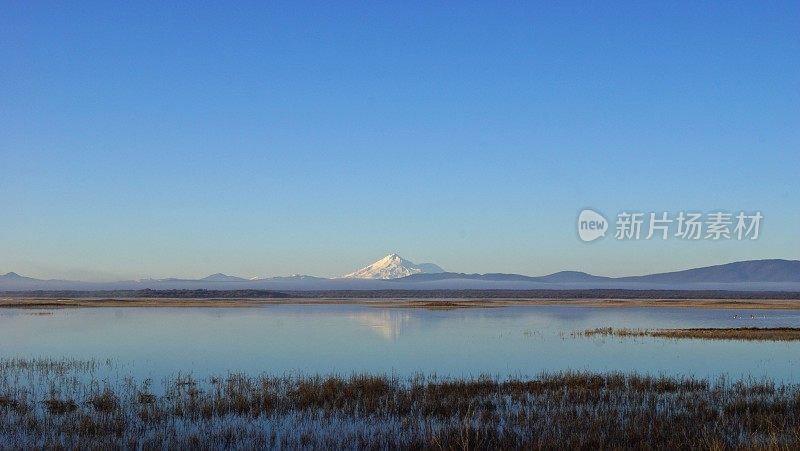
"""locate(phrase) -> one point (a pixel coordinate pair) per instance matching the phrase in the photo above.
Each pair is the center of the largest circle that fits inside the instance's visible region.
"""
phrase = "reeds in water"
(725, 333)
(72, 408)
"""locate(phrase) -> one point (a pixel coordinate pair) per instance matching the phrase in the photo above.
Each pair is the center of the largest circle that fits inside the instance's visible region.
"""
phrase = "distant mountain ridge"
(393, 272)
(219, 277)
(773, 270)
(421, 277)
(14, 277)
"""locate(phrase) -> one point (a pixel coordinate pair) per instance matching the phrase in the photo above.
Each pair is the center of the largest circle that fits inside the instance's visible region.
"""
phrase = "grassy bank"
(732, 333)
(66, 404)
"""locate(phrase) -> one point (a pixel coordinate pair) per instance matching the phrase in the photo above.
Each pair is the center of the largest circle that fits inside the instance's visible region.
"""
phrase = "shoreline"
(426, 303)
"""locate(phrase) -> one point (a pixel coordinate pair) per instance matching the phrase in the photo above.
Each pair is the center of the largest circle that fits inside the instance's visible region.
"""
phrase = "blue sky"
(153, 139)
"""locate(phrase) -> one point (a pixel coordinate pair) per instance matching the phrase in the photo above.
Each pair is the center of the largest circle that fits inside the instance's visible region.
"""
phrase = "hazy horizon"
(266, 276)
(175, 140)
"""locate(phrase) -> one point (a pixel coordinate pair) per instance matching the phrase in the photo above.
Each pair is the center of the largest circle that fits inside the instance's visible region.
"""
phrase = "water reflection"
(522, 341)
(386, 323)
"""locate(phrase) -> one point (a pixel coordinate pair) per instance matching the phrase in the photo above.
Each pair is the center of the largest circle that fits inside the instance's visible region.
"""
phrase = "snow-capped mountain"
(395, 273)
(393, 266)
(219, 277)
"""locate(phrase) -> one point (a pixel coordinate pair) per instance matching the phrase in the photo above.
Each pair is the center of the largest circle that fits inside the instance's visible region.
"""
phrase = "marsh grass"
(734, 333)
(72, 408)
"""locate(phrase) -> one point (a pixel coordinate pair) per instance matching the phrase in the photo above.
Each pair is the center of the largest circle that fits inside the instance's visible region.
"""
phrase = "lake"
(512, 341)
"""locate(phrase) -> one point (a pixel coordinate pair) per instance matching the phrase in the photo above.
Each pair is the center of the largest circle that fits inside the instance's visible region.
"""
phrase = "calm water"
(516, 341)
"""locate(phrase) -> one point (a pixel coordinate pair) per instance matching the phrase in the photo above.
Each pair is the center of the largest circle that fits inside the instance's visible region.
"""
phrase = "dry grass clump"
(566, 410)
(60, 407)
(8, 403)
(734, 333)
(103, 402)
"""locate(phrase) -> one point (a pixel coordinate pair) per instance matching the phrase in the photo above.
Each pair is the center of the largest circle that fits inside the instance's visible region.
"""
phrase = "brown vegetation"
(568, 410)
(734, 333)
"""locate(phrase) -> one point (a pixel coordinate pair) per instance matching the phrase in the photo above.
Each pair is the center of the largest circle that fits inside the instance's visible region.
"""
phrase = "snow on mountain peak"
(393, 266)
(219, 277)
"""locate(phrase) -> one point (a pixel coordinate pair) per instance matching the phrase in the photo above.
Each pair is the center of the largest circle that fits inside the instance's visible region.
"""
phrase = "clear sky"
(155, 139)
